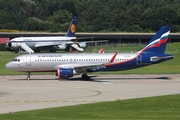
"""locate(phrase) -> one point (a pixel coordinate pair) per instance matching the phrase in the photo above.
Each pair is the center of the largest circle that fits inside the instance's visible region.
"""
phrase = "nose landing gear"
(28, 76)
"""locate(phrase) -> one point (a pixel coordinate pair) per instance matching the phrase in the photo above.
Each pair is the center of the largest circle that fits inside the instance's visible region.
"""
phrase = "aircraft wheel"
(85, 77)
(28, 76)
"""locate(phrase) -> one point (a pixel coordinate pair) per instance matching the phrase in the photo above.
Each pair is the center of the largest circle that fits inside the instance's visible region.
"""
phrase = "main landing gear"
(28, 76)
(85, 76)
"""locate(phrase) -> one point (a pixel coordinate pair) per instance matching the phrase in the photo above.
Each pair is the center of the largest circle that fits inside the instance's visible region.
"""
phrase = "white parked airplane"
(29, 44)
(67, 65)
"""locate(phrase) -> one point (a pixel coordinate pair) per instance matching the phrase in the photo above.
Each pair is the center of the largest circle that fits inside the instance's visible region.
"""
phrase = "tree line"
(92, 15)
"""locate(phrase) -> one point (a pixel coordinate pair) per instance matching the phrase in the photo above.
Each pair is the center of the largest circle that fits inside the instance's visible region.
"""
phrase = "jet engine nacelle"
(65, 72)
(82, 44)
(61, 47)
(13, 45)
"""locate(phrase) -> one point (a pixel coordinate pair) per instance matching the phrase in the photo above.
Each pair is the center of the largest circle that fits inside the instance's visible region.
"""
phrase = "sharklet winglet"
(101, 50)
(113, 58)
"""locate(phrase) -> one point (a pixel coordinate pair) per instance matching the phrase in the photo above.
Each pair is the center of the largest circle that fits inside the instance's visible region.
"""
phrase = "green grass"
(161, 108)
(171, 66)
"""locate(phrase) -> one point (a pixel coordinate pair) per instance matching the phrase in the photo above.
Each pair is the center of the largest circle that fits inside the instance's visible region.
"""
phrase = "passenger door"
(28, 60)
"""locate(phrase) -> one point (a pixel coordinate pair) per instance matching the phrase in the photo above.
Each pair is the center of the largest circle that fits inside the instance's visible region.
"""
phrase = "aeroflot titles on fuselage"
(49, 55)
(61, 56)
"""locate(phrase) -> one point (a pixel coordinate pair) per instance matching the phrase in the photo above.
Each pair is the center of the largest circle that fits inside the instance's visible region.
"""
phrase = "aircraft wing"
(80, 45)
(88, 42)
(83, 67)
(69, 43)
(82, 38)
(72, 44)
(66, 43)
(96, 41)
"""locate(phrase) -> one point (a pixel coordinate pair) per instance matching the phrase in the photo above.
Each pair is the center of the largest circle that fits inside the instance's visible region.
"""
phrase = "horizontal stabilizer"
(156, 58)
(77, 47)
(26, 48)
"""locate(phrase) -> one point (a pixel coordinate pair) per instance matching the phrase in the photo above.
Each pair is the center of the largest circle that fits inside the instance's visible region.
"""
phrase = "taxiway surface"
(45, 91)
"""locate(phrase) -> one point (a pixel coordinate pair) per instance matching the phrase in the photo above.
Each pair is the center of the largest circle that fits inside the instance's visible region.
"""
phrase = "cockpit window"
(16, 60)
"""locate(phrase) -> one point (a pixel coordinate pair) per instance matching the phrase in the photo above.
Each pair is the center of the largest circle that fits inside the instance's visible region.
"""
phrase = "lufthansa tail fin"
(72, 28)
(158, 42)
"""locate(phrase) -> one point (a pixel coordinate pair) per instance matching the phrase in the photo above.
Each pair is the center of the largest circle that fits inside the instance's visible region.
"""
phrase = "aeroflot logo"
(73, 28)
(49, 55)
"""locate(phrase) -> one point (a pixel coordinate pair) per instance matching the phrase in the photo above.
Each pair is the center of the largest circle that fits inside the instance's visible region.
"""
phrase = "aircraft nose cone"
(9, 66)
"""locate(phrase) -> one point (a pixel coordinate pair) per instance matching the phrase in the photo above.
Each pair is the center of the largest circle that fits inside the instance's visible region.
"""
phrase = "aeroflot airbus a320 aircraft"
(68, 65)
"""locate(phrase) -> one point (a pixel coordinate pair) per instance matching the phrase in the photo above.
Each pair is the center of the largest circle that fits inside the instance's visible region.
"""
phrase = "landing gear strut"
(28, 76)
(85, 77)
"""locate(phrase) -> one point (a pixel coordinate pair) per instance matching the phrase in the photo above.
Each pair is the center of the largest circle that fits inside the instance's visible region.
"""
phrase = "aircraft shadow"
(80, 79)
(93, 79)
(34, 79)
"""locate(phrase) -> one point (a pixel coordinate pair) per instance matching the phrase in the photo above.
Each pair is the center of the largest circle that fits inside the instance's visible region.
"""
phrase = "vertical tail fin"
(72, 28)
(157, 44)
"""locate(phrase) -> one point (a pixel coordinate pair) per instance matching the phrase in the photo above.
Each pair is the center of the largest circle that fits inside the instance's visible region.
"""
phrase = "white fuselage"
(35, 42)
(51, 62)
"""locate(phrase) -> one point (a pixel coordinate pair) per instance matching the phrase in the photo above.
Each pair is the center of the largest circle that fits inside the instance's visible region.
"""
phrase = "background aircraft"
(67, 65)
(29, 44)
